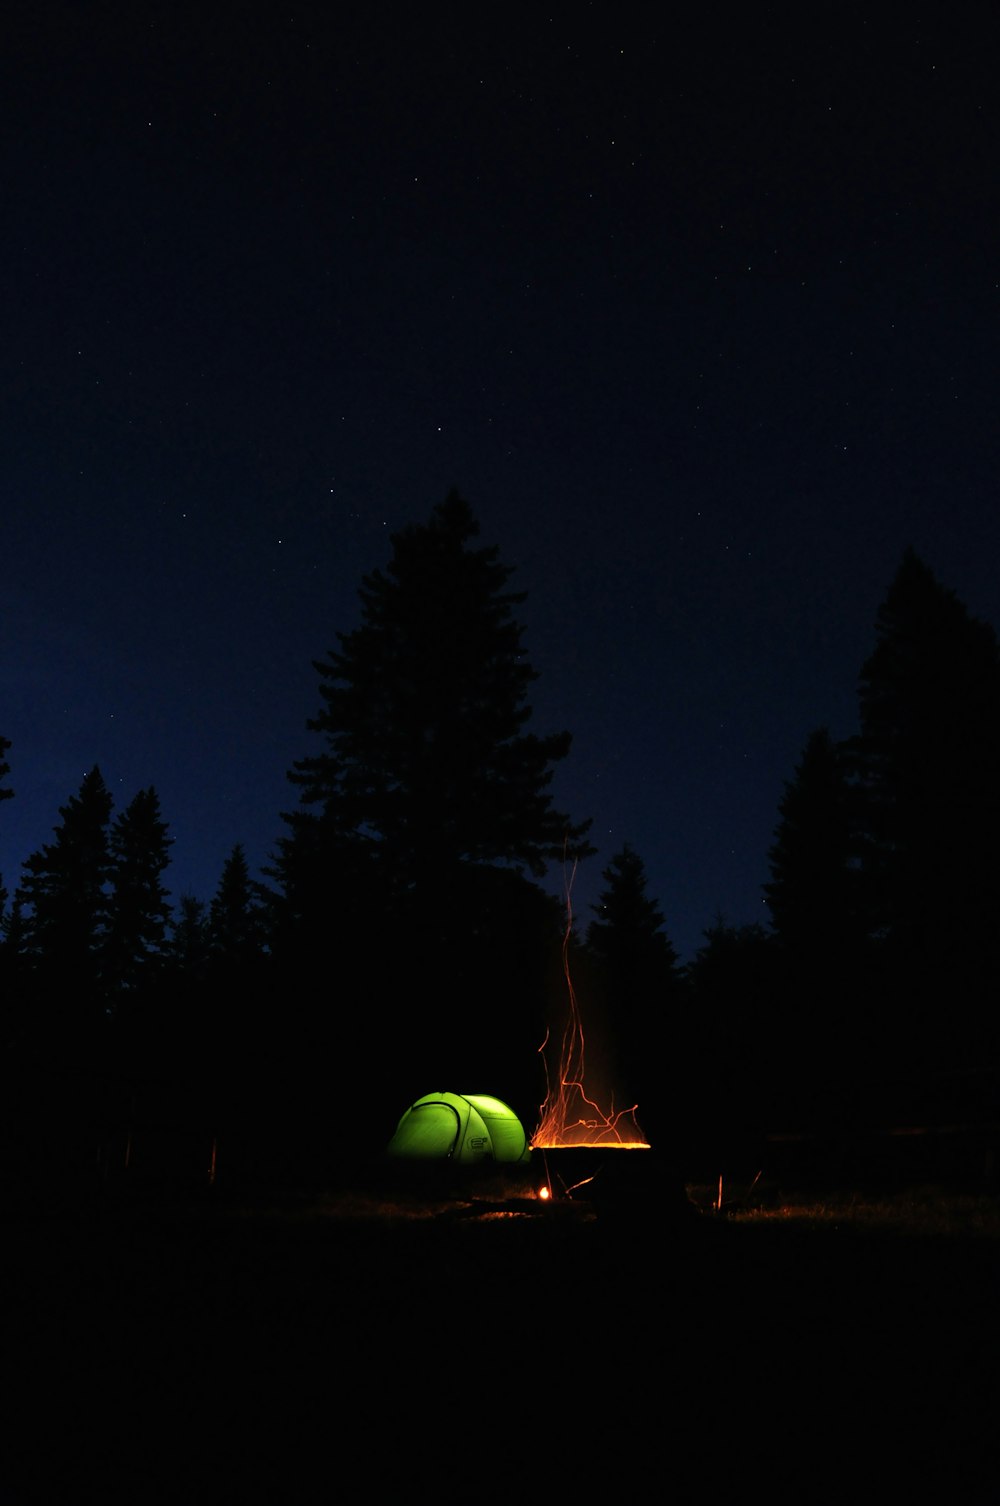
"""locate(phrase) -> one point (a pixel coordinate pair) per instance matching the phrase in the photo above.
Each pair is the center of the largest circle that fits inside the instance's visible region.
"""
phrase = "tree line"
(400, 940)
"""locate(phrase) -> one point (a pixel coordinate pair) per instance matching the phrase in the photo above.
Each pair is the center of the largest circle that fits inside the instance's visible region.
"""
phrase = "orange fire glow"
(569, 1116)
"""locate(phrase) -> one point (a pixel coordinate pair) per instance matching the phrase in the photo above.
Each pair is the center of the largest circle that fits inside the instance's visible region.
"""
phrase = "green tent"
(469, 1128)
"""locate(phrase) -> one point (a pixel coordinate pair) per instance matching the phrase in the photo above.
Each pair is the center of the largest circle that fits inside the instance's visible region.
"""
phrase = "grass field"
(323, 1345)
(917, 1212)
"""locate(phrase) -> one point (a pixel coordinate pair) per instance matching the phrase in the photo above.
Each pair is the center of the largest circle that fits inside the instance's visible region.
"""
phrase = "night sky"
(701, 318)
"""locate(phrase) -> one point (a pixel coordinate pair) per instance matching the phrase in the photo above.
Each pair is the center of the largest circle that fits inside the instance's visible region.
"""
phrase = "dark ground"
(318, 1350)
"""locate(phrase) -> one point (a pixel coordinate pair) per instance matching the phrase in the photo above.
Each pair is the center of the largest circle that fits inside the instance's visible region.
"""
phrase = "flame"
(568, 1115)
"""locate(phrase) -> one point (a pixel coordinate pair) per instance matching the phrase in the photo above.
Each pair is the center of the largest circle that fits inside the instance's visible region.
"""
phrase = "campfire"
(575, 1129)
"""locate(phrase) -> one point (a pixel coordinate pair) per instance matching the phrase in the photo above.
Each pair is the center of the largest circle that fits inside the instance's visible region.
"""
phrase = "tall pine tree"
(927, 759)
(64, 908)
(64, 882)
(428, 763)
(236, 917)
(427, 810)
(815, 896)
(812, 895)
(189, 941)
(135, 947)
(736, 1022)
(635, 974)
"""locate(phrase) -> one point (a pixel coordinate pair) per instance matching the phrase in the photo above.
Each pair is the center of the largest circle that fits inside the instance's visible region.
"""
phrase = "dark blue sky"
(701, 320)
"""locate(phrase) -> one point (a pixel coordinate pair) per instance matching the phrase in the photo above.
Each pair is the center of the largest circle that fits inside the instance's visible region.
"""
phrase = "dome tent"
(469, 1129)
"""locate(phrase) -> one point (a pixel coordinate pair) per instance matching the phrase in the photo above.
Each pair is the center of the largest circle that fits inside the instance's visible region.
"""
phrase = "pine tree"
(635, 974)
(139, 911)
(736, 1030)
(65, 886)
(817, 915)
(427, 765)
(428, 778)
(189, 941)
(423, 820)
(927, 761)
(236, 917)
(629, 933)
(13, 948)
(812, 895)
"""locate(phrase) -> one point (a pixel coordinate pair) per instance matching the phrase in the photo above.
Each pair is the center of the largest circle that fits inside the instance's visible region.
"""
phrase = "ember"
(569, 1117)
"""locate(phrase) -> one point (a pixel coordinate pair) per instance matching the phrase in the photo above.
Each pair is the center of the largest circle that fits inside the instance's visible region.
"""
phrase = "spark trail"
(568, 1115)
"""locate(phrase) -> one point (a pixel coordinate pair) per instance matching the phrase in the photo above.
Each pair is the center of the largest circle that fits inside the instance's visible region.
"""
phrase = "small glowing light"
(544, 1194)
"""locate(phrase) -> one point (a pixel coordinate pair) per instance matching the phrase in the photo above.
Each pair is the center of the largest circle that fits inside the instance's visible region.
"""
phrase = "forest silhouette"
(400, 939)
